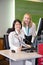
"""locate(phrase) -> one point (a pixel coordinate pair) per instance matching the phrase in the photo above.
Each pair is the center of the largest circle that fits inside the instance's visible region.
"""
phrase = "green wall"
(34, 8)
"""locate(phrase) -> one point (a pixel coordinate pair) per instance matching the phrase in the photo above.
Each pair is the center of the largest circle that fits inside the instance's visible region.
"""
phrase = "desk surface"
(20, 55)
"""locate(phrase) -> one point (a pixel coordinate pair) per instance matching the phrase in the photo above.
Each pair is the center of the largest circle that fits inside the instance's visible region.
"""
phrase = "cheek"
(15, 26)
(18, 26)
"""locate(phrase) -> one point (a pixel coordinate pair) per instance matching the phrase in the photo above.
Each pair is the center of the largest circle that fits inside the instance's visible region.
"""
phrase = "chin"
(18, 29)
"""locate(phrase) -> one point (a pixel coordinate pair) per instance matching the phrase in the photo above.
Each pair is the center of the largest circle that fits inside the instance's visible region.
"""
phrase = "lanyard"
(19, 38)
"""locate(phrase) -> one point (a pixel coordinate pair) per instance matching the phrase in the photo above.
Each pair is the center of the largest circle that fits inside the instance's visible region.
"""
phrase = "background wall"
(34, 8)
(6, 15)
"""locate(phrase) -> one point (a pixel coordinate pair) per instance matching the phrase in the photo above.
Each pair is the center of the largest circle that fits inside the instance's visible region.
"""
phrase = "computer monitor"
(38, 33)
(40, 27)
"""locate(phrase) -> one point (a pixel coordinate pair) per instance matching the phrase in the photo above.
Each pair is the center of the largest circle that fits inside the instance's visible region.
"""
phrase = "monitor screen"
(40, 27)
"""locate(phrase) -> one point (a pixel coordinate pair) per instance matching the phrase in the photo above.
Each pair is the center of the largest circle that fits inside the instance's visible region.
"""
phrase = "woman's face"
(26, 19)
(17, 26)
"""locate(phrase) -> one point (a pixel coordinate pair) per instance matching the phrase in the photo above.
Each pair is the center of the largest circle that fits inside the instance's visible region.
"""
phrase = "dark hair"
(16, 20)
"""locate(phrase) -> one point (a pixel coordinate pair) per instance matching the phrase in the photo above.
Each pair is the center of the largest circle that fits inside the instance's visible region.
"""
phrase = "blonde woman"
(28, 26)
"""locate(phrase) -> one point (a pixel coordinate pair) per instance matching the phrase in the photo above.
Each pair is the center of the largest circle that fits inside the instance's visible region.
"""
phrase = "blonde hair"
(23, 22)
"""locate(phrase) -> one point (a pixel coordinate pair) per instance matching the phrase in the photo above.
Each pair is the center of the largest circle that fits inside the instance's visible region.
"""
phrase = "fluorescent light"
(36, 0)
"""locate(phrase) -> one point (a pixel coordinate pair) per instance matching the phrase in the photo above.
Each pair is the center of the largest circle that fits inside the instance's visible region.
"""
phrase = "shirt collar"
(17, 32)
(27, 27)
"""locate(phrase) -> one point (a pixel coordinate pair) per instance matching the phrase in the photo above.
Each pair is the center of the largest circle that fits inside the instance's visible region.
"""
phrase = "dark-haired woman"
(16, 37)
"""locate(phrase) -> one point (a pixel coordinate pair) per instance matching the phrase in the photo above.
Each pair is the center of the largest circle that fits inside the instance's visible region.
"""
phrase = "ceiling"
(36, 0)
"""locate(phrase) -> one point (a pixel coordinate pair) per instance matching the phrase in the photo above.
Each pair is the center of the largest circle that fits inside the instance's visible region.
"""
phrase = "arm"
(25, 45)
(22, 42)
(33, 32)
(13, 43)
(10, 38)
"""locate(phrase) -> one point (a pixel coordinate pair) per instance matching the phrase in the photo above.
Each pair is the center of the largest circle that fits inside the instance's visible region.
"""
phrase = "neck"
(18, 31)
(26, 26)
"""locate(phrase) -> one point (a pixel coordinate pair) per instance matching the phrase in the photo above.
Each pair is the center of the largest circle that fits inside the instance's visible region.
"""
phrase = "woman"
(16, 37)
(29, 27)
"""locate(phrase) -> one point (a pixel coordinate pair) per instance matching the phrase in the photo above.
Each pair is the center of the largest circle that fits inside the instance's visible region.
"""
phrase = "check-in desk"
(20, 57)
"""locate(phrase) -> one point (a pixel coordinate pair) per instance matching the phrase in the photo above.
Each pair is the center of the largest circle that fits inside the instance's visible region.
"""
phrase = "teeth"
(36, 0)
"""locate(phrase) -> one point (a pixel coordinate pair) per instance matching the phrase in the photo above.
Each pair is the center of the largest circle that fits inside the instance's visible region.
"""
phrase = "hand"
(29, 46)
(18, 49)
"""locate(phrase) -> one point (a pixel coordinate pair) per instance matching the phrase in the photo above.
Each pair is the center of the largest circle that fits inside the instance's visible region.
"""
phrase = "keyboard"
(29, 49)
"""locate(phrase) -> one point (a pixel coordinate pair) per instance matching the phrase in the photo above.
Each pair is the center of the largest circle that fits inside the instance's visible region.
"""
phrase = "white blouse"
(16, 40)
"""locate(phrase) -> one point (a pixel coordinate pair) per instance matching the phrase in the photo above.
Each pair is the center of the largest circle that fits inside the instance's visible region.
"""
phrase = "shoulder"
(22, 31)
(33, 25)
(11, 33)
(23, 28)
